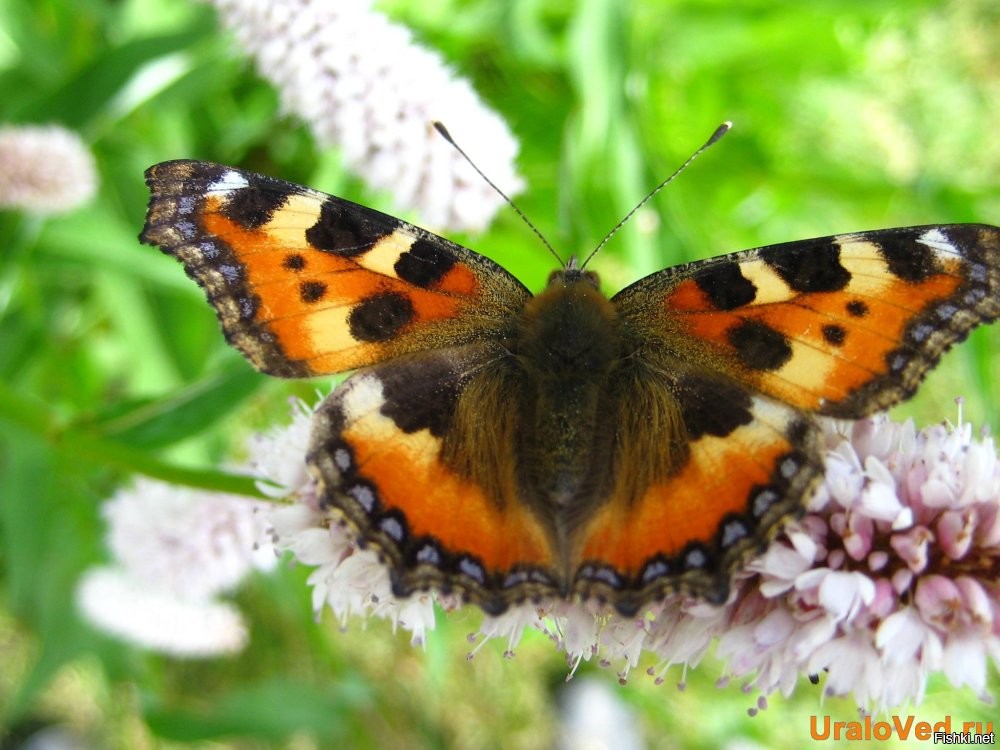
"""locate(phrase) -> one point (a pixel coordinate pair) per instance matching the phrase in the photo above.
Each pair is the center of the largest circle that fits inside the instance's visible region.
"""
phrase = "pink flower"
(905, 580)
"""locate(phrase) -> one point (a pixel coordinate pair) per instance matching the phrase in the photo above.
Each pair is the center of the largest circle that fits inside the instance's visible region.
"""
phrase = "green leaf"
(187, 412)
(47, 535)
(77, 101)
(24, 412)
(273, 709)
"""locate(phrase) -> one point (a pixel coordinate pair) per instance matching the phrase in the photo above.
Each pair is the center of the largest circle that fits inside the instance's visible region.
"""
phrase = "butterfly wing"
(706, 473)
(305, 283)
(728, 358)
(418, 454)
(842, 326)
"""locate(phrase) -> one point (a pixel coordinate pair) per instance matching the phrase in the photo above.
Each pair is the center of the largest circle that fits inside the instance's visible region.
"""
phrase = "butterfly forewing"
(384, 453)
(843, 325)
(308, 284)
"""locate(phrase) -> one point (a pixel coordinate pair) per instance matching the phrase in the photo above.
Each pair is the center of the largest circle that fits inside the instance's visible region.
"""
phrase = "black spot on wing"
(424, 264)
(254, 206)
(725, 286)
(412, 403)
(814, 268)
(712, 406)
(380, 316)
(343, 229)
(834, 334)
(857, 309)
(293, 262)
(312, 291)
(908, 259)
(758, 346)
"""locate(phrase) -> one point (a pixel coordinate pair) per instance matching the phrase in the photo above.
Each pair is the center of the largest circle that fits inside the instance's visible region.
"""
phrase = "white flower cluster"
(890, 577)
(44, 169)
(175, 551)
(363, 85)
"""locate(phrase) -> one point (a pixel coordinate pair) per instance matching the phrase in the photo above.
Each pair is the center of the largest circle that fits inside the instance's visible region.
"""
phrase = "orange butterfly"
(508, 446)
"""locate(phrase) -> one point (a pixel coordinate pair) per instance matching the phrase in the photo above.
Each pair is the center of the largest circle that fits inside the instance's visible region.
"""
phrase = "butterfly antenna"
(439, 127)
(719, 132)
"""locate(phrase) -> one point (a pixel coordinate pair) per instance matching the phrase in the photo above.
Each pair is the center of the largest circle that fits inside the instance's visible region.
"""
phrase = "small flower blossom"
(192, 543)
(362, 84)
(175, 550)
(278, 458)
(44, 169)
(157, 619)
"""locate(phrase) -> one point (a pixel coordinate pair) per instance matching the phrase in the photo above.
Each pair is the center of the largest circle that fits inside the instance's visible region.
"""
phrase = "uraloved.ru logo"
(940, 732)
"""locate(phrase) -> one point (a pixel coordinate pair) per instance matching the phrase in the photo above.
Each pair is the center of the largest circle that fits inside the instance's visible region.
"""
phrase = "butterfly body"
(567, 352)
(506, 446)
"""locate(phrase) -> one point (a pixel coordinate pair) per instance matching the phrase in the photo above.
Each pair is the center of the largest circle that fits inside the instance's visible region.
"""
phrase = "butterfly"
(507, 447)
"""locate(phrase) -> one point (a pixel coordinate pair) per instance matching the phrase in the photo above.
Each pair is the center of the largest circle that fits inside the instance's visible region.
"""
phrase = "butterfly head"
(572, 275)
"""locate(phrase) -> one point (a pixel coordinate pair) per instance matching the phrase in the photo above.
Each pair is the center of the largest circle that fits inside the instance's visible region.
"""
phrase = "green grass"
(847, 116)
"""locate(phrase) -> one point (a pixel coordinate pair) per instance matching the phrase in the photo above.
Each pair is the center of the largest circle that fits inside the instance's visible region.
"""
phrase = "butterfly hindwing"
(843, 325)
(743, 465)
(307, 284)
(384, 453)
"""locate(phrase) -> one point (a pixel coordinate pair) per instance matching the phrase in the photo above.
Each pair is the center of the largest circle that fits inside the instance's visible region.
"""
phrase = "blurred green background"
(848, 116)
